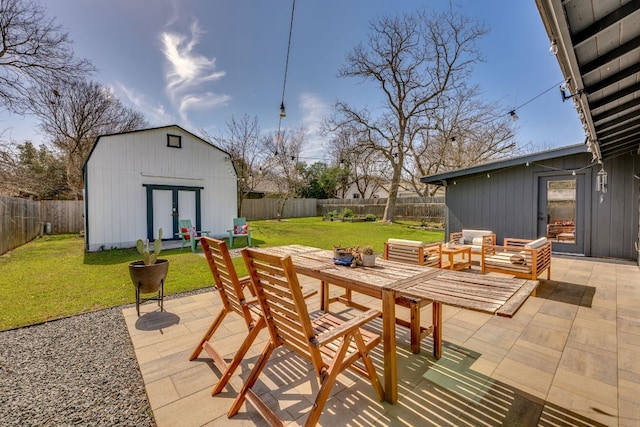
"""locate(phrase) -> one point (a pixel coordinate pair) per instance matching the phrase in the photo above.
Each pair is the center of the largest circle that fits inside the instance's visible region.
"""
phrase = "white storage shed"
(137, 182)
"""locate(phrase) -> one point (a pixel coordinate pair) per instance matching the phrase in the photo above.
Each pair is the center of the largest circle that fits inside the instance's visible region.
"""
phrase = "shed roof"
(151, 129)
(514, 161)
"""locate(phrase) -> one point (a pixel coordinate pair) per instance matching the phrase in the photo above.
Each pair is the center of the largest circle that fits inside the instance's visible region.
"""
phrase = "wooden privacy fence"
(19, 222)
(268, 208)
(416, 208)
(22, 220)
(65, 216)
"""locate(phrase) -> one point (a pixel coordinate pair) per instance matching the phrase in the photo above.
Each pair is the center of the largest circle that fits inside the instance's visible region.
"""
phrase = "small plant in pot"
(148, 275)
(367, 256)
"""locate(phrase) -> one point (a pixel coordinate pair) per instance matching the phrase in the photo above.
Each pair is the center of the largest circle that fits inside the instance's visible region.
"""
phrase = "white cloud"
(314, 110)
(206, 100)
(156, 114)
(187, 71)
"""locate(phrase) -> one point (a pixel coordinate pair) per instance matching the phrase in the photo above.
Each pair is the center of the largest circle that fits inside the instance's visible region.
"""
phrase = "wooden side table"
(451, 262)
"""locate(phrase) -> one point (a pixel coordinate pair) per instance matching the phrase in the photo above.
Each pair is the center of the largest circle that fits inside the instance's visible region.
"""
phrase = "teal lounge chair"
(189, 234)
(240, 229)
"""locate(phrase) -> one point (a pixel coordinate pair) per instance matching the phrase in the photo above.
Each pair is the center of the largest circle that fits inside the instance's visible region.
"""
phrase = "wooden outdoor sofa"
(518, 257)
(473, 238)
(413, 252)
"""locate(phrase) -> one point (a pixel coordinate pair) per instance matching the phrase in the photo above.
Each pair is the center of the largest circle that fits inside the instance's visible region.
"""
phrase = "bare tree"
(464, 132)
(242, 140)
(73, 116)
(33, 51)
(281, 167)
(363, 169)
(414, 59)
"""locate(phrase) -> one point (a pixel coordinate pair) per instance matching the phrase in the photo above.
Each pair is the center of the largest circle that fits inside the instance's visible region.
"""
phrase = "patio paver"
(568, 356)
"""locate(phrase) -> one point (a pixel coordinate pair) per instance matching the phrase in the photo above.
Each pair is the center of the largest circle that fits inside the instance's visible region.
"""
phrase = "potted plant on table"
(148, 275)
(342, 255)
(367, 256)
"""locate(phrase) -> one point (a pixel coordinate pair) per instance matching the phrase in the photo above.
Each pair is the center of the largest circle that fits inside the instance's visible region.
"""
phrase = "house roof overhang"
(441, 179)
(598, 50)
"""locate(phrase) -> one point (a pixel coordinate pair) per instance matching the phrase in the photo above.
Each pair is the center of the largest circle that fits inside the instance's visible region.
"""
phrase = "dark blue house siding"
(506, 201)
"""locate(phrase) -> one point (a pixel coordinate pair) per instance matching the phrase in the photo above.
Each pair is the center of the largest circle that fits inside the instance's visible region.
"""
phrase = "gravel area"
(79, 370)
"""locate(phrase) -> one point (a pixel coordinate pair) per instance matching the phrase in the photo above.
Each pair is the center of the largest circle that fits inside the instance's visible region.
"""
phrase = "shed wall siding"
(507, 202)
(121, 164)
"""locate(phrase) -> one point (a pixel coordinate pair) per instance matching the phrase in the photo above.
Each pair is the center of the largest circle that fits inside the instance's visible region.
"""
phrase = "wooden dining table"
(500, 295)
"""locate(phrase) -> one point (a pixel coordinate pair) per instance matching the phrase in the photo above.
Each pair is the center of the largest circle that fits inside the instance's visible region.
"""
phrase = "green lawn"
(53, 277)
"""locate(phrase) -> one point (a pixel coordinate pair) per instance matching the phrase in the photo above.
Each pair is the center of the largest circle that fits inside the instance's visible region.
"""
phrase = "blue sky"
(197, 63)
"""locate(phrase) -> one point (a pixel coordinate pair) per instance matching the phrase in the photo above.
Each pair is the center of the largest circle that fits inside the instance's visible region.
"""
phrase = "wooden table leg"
(389, 346)
(324, 296)
(437, 329)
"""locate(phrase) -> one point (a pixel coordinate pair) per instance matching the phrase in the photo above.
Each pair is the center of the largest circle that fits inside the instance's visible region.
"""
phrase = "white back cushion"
(535, 244)
(405, 242)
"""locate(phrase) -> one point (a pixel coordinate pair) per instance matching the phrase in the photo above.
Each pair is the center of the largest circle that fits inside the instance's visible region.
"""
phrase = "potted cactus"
(368, 256)
(148, 275)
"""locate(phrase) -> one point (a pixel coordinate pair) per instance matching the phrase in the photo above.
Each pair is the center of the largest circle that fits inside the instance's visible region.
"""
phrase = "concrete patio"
(568, 357)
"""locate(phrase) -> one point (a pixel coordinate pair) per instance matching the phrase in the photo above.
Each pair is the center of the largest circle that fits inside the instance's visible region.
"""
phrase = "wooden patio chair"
(240, 229)
(189, 235)
(234, 300)
(413, 252)
(232, 294)
(329, 343)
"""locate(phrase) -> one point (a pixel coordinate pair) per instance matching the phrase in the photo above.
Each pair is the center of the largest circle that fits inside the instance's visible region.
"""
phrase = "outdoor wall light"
(601, 181)
(577, 93)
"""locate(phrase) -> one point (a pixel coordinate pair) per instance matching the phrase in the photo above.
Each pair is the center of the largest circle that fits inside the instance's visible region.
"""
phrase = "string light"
(512, 112)
(283, 113)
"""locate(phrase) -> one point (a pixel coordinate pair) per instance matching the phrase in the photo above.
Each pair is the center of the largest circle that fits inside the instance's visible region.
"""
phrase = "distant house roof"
(439, 179)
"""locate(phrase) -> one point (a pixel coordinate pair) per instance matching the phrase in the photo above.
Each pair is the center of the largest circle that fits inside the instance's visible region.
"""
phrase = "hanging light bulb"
(553, 49)
(513, 115)
(283, 113)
